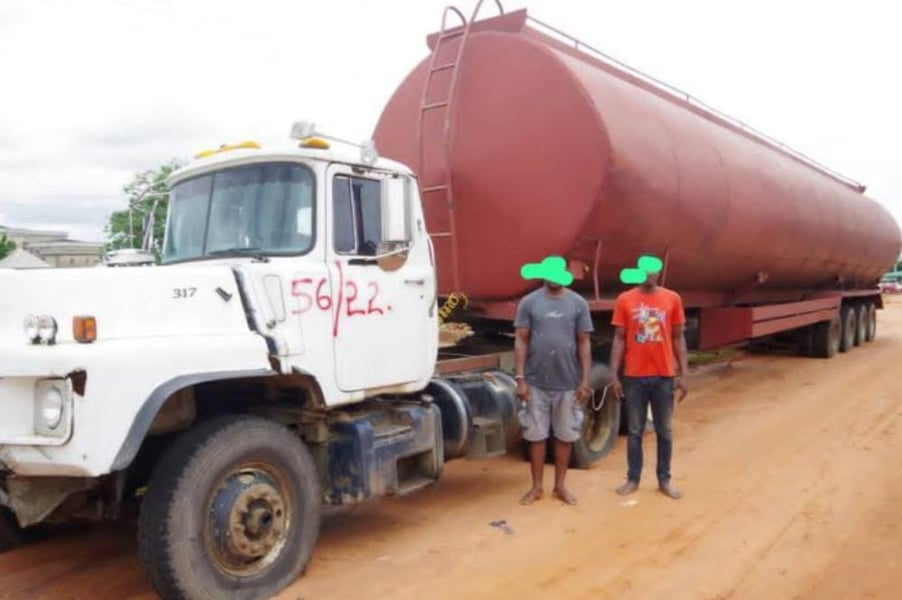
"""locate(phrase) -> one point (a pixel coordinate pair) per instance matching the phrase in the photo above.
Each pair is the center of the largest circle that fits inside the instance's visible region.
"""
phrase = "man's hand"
(522, 390)
(583, 393)
(682, 387)
(616, 387)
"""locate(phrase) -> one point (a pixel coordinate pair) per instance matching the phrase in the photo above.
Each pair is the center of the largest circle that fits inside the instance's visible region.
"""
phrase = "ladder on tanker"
(435, 186)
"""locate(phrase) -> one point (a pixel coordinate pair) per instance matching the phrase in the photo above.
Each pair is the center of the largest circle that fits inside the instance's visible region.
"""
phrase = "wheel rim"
(248, 519)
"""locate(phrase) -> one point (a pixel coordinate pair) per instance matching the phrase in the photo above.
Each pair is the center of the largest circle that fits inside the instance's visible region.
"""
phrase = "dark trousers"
(639, 393)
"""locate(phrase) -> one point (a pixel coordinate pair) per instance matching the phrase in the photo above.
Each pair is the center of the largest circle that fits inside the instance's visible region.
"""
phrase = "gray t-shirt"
(552, 361)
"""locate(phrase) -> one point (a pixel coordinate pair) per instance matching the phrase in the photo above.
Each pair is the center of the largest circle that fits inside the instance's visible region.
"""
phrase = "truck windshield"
(264, 209)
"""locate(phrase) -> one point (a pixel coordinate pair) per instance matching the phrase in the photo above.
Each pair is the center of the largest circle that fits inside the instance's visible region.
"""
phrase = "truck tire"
(10, 533)
(601, 426)
(871, 329)
(826, 339)
(849, 325)
(232, 510)
(804, 340)
(861, 323)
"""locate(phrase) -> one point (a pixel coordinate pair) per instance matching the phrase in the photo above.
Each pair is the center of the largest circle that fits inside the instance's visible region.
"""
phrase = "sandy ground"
(793, 488)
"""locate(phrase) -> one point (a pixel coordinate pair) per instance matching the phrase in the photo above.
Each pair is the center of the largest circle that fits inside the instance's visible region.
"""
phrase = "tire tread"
(167, 479)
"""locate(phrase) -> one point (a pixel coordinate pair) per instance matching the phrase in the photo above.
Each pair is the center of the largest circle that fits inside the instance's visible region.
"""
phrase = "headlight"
(52, 411)
(41, 329)
(31, 328)
(47, 330)
(52, 407)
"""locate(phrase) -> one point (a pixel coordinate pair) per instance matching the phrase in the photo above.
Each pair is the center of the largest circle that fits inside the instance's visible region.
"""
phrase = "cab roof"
(244, 154)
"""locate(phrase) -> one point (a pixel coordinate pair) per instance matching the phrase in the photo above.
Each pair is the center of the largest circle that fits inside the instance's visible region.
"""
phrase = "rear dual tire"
(861, 323)
(855, 325)
(826, 338)
(849, 327)
(871, 326)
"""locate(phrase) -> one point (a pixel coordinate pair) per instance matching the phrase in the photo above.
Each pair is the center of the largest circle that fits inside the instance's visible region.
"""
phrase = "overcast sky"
(95, 90)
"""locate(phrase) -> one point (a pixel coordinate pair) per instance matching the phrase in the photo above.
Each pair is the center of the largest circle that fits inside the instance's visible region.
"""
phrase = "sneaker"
(668, 490)
(628, 488)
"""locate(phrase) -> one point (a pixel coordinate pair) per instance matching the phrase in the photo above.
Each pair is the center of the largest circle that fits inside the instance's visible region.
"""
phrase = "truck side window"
(357, 212)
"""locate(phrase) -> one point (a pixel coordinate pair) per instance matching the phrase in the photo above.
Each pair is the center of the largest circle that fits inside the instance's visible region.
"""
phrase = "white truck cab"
(300, 261)
(283, 355)
(326, 248)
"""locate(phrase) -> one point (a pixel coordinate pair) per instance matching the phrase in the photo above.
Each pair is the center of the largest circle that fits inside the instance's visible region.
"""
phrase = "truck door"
(382, 280)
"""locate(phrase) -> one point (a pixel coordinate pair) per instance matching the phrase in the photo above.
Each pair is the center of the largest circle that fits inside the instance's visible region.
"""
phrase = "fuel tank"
(543, 148)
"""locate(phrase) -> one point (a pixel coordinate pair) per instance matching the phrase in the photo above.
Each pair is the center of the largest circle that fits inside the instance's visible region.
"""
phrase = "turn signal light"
(84, 329)
(227, 148)
(315, 143)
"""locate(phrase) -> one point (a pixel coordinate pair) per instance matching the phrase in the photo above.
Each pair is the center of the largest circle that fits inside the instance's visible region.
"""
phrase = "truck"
(331, 323)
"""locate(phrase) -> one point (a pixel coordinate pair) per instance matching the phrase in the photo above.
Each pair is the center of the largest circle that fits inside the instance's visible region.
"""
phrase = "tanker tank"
(526, 147)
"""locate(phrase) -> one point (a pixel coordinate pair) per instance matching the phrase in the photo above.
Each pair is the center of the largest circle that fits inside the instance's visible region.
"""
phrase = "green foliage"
(6, 246)
(147, 191)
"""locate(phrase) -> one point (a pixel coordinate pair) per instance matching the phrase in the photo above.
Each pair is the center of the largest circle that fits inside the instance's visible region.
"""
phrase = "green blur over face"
(638, 275)
(553, 269)
(633, 276)
(650, 264)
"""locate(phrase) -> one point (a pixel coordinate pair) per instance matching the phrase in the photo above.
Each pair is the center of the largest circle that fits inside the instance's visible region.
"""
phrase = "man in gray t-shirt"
(553, 358)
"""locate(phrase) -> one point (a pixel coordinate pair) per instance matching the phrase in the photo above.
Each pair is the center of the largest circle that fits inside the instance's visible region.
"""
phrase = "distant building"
(54, 248)
(22, 259)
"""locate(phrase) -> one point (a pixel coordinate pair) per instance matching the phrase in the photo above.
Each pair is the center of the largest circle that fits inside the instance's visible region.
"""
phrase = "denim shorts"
(551, 410)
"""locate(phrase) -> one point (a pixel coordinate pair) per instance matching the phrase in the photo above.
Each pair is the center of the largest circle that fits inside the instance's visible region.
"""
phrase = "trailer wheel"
(827, 336)
(861, 324)
(601, 426)
(871, 329)
(804, 339)
(10, 532)
(232, 510)
(849, 325)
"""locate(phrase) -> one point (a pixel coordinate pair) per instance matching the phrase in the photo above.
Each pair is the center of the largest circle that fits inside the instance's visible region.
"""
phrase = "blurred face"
(552, 286)
(651, 280)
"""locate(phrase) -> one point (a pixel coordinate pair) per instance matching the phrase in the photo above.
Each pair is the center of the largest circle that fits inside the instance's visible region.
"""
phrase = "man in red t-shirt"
(649, 336)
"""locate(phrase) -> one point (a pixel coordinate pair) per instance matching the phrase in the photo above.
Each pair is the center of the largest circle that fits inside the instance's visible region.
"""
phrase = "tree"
(146, 192)
(6, 246)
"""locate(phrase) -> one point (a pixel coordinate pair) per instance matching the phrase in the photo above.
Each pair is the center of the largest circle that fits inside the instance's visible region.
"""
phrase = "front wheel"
(602, 423)
(232, 510)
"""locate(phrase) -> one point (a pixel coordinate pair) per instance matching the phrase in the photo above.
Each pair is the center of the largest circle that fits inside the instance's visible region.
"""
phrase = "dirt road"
(792, 473)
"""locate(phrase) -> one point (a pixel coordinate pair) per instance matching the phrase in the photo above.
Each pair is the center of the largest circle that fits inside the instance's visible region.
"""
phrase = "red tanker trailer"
(530, 143)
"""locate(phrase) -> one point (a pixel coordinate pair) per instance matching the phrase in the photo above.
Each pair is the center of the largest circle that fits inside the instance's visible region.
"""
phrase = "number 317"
(182, 293)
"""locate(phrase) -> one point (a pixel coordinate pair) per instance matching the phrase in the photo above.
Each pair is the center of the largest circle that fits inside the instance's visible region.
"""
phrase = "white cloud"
(97, 90)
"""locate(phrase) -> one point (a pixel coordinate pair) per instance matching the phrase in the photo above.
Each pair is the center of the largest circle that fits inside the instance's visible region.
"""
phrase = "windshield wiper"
(252, 252)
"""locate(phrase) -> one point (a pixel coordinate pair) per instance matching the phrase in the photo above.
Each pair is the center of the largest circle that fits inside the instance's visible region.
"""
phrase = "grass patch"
(707, 357)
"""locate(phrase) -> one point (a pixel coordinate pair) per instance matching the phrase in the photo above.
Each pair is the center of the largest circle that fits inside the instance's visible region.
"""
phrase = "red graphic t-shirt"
(648, 320)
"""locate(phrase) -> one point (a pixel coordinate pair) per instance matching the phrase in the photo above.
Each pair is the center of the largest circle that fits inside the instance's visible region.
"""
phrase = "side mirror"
(396, 210)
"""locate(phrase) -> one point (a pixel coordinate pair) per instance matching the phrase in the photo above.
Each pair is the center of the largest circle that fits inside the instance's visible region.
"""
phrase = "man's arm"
(584, 346)
(617, 351)
(521, 346)
(682, 355)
